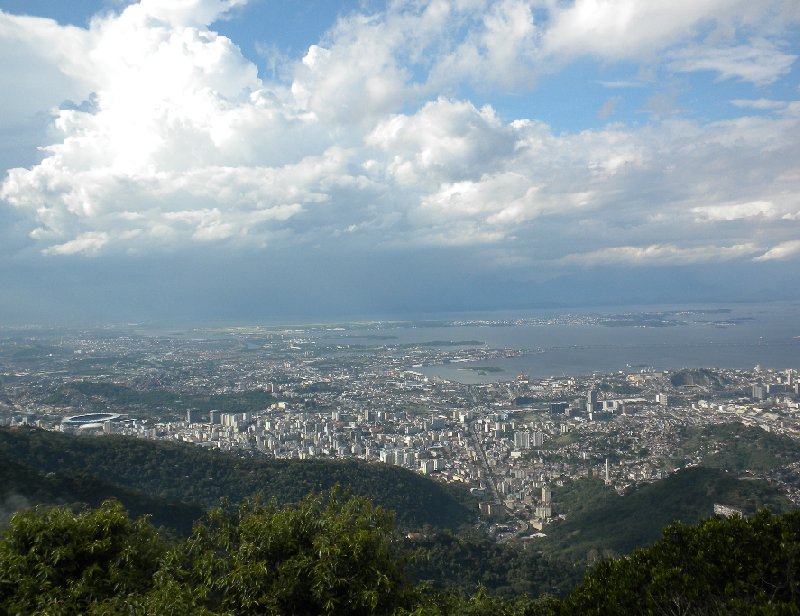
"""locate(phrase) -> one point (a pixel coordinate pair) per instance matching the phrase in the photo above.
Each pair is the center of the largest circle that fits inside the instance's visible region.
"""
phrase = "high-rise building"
(547, 495)
(490, 508)
(426, 467)
(522, 440)
(193, 416)
(591, 401)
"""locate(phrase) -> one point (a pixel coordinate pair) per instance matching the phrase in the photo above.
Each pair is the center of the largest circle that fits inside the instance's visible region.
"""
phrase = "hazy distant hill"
(102, 396)
(600, 522)
(702, 377)
(192, 474)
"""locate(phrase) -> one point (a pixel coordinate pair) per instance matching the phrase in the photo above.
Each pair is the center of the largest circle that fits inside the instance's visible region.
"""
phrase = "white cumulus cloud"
(174, 139)
(444, 140)
(736, 211)
(762, 104)
(170, 127)
(784, 250)
(759, 62)
(659, 254)
(86, 243)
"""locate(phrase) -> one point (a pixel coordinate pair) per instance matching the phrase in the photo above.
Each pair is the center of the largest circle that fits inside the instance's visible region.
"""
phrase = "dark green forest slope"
(336, 554)
(737, 448)
(23, 487)
(601, 522)
(181, 472)
(98, 397)
(155, 478)
(160, 478)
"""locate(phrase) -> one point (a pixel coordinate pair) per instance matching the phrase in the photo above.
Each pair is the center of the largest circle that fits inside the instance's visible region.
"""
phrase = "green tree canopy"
(721, 566)
(331, 554)
(58, 561)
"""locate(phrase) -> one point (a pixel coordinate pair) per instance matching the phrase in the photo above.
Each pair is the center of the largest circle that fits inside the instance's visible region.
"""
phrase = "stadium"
(90, 422)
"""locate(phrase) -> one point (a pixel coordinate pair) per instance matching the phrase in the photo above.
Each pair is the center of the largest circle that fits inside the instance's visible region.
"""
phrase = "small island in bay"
(483, 369)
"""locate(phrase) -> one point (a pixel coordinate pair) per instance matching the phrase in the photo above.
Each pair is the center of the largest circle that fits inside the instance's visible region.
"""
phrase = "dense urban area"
(326, 392)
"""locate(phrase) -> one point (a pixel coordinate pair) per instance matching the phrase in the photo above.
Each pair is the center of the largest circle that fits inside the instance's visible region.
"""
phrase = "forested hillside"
(176, 484)
(600, 522)
(336, 554)
(23, 487)
(737, 448)
(180, 472)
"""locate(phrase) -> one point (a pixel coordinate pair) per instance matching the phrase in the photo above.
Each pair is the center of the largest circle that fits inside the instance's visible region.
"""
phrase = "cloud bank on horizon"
(405, 128)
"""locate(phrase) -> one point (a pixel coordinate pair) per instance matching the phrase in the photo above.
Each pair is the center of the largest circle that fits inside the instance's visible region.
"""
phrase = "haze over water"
(761, 334)
(189, 160)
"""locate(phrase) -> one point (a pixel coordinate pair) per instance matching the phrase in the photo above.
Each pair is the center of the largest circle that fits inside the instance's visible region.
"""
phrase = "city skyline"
(235, 159)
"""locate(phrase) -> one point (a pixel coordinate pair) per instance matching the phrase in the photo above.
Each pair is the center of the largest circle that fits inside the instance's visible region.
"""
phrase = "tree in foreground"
(721, 566)
(331, 554)
(337, 554)
(56, 561)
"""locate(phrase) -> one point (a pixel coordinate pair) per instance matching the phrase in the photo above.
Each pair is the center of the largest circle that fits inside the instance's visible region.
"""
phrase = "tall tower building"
(591, 401)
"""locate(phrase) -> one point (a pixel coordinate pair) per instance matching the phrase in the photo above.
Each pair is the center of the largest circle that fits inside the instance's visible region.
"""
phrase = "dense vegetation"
(329, 555)
(736, 447)
(722, 566)
(435, 574)
(698, 376)
(91, 395)
(180, 472)
(22, 487)
(599, 522)
(620, 387)
(466, 561)
(445, 559)
(338, 554)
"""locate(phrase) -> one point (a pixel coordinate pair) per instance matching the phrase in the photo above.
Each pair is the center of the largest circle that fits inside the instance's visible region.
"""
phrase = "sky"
(191, 160)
